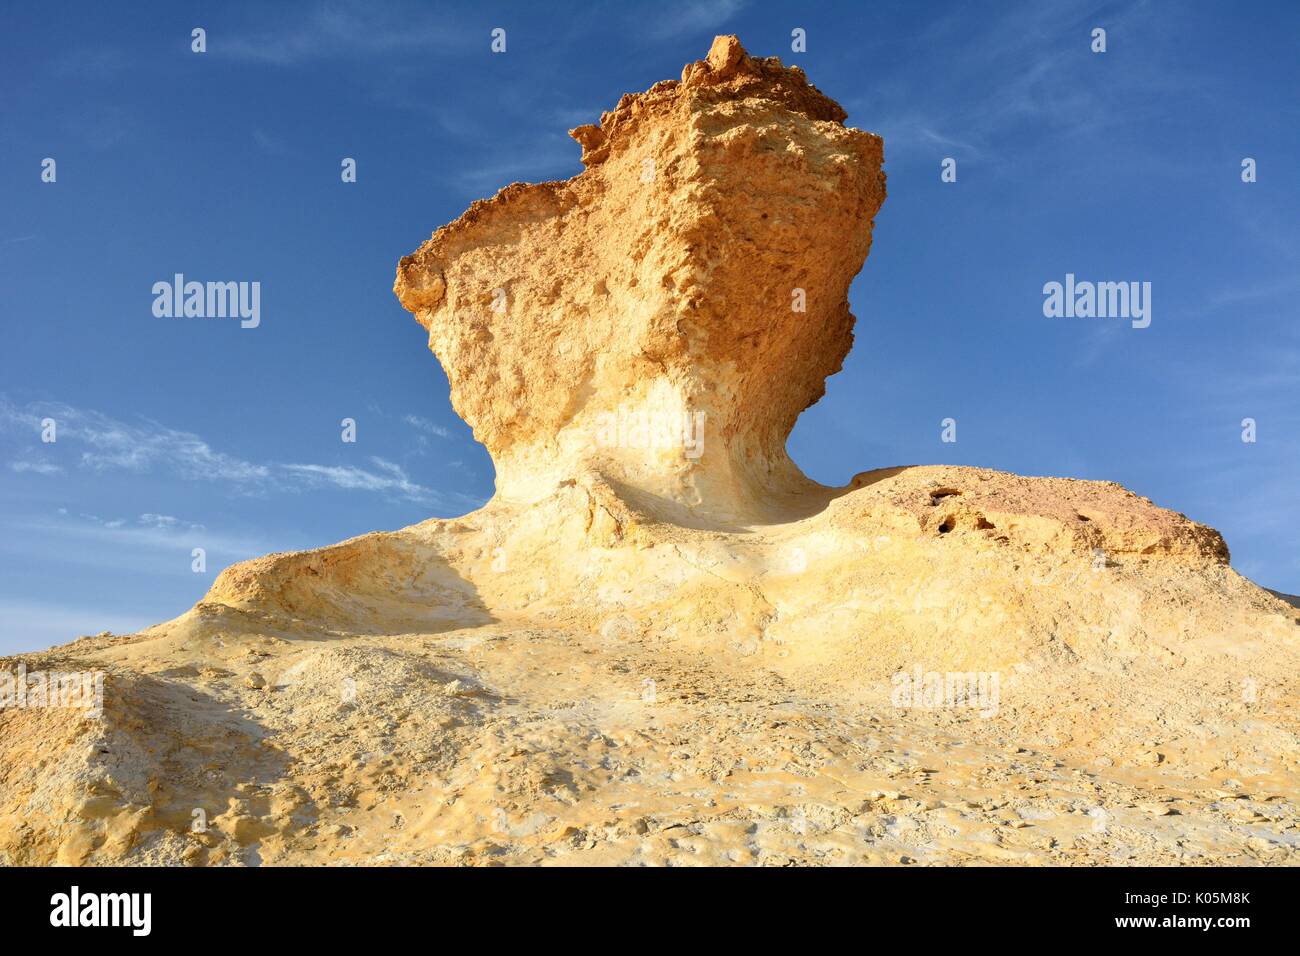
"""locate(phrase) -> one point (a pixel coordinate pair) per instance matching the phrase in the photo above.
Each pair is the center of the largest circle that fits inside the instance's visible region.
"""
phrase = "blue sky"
(175, 434)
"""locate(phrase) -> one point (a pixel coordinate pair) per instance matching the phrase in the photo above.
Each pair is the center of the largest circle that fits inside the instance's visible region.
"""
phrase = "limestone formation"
(661, 283)
(660, 642)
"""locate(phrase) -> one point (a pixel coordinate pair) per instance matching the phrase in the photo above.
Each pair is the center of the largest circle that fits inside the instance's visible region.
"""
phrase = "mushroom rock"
(664, 317)
(633, 347)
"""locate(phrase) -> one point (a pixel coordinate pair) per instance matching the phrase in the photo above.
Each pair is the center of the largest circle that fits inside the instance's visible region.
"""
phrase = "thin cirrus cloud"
(390, 478)
(104, 551)
(997, 99)
(144, 534)
(690, 16)
(35, 467)
(340, 31)
(538, 165)
(349, 30)
(426, 426)
(106, 444)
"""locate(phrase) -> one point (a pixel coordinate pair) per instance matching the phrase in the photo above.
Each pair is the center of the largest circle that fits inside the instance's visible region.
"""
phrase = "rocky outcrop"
(660, 642)
(692, 283)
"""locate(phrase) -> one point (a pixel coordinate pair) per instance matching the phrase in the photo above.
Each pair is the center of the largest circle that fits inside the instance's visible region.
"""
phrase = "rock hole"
(946, 526)
(1083, 517)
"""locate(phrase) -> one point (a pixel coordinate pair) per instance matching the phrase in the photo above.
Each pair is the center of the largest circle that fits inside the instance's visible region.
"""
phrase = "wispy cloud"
(272, 145)
(104, 444)
(426, 426)
(108, 444)
(121, 542)
(685, 17)
(1026, 68)
(36, 467)
(389, 478)
(916, 132)
(343, 30)
(167, 522)
(550, 156)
